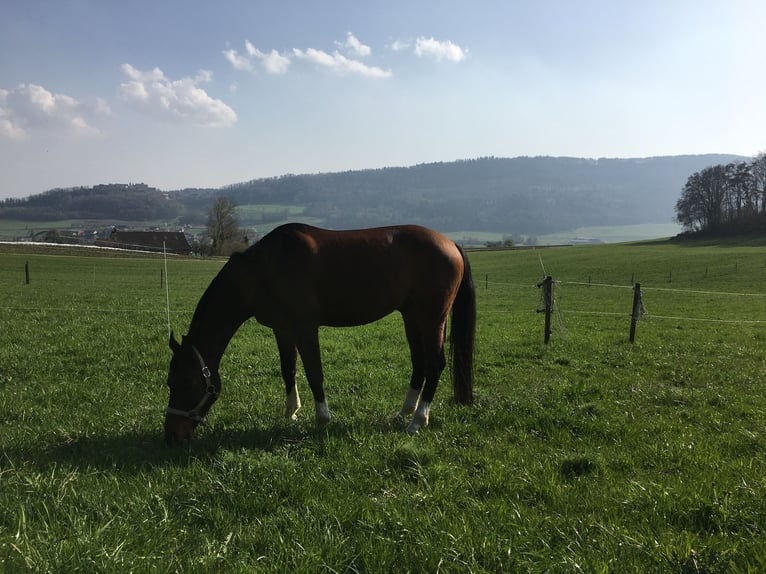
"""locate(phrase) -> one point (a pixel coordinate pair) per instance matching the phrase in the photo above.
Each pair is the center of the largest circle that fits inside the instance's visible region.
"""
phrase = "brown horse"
(299, 277)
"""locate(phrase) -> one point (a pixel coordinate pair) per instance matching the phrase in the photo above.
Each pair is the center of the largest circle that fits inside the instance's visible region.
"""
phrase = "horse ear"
(174, 346)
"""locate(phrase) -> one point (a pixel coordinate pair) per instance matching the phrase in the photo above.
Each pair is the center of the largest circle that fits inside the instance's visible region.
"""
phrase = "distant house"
(170, 241)
(66, 236)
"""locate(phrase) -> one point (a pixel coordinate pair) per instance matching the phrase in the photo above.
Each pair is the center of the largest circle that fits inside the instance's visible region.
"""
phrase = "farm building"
(170, 241)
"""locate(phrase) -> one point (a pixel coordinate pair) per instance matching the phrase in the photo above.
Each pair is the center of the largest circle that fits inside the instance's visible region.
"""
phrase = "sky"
(191, 93)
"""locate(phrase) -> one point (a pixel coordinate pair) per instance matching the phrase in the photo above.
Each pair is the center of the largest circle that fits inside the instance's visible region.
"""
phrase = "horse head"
(193, 390)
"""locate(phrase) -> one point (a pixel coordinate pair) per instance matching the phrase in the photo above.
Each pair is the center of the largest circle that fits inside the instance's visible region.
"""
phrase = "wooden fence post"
(26, 271)
(547, 285)
(636, 314)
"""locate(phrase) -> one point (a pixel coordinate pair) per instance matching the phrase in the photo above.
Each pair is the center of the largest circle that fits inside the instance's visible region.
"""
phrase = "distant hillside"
(527, 195)
(116, 201)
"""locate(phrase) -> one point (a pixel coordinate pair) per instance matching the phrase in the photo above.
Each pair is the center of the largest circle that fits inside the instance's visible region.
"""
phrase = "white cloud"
(354, 46)
(400, 45)
(179, 100)
(29, 107)
(102, 107)
(441, 50)
(8, 127)
(237, 61)
(340, 63)
(275, 63)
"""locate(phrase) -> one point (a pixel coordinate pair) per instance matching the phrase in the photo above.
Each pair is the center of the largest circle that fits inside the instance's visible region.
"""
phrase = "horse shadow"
(136, 451)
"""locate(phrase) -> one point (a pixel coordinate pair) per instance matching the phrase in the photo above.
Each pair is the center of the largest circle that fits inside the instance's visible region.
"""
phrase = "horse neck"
(217, 317)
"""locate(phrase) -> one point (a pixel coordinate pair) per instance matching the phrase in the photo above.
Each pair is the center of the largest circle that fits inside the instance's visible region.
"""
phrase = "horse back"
(340, 278)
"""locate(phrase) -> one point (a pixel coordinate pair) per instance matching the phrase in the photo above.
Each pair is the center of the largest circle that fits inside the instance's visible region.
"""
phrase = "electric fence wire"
(167, 288)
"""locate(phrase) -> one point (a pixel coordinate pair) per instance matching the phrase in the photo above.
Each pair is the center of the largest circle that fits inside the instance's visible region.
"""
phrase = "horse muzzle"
(178, 430)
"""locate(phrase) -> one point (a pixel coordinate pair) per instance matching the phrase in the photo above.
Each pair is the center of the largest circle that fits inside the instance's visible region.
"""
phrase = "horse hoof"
(292, 414)
(322, 415)
(322, 422)
(419, 420)
(413, 428)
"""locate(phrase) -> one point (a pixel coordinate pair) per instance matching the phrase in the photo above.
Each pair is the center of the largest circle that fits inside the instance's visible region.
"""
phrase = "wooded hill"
(528, 195)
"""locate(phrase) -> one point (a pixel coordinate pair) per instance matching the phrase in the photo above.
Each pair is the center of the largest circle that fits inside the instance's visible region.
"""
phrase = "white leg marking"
(322, 414)
(420, 418)
(410, 402)
(292, 404)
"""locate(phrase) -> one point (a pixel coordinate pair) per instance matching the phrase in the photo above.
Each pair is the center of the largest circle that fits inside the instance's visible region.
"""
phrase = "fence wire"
(645, 315)
(479, 284)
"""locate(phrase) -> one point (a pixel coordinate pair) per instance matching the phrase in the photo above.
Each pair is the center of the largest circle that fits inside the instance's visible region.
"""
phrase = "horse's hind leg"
(435, 362)
(308, 347)
(418, 369)
(288, 357)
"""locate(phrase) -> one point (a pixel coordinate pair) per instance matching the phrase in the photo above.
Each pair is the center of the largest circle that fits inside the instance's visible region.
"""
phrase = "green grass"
(613, 234)
(262, 217)
(604, 234)
(587, 454)
(14, 230)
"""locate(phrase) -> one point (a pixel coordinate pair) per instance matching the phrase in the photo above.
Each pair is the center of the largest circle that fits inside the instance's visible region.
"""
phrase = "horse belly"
(356, 308)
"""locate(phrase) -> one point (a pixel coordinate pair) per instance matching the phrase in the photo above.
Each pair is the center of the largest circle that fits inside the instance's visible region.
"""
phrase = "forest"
(527, 195)
(725, 199)
(124, 202)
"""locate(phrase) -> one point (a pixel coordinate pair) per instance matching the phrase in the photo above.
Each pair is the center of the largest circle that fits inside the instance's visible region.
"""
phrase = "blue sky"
(197, 93)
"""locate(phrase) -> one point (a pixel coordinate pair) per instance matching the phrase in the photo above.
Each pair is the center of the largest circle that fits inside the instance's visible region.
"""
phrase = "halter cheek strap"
(210, 392)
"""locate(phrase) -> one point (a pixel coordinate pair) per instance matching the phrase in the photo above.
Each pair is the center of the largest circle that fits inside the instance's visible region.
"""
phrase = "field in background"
(11, 230)
(587, 454)
(264, 218)
(581, 235)
(613, 234)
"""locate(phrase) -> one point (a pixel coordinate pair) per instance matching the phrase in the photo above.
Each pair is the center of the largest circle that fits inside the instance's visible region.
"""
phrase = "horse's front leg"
(288, 357)
(308, 347)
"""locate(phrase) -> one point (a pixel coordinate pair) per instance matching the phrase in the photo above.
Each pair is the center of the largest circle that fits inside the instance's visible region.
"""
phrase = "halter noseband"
(210, 391)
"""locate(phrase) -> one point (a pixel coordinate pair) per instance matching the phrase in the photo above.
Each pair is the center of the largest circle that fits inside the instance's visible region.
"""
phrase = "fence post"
(636, 314)
(547, 285)
(26, 271)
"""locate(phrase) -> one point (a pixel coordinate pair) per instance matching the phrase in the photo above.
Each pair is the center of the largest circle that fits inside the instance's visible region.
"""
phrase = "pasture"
(588, 454)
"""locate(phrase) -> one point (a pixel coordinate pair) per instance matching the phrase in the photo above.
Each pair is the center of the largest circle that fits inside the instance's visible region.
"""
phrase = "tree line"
(117, 201)
(525, 195)
(725, 199)
(522, 195)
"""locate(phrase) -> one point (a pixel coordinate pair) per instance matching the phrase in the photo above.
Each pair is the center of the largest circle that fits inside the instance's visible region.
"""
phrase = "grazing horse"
(299, 277)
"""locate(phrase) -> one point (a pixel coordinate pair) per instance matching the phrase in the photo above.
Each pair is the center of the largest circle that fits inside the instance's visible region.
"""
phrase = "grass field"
(588, 454)
(13, 230)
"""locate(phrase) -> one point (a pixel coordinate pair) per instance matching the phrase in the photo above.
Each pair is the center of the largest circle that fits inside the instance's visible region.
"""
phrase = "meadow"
(587, 454)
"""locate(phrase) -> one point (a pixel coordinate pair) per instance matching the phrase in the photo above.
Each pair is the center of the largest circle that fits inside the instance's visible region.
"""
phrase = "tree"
(223, 227)
(725, 199)
(758, 168)
(701, 204)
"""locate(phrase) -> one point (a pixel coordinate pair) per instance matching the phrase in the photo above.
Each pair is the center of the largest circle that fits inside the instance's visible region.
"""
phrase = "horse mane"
(220, 303)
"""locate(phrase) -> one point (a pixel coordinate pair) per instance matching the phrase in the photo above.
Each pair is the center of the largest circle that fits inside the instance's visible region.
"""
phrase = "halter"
(210, 391)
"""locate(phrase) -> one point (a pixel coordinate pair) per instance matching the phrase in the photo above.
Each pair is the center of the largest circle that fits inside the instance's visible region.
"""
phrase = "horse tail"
(462, 335)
